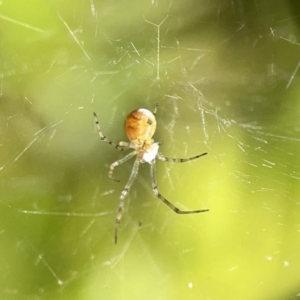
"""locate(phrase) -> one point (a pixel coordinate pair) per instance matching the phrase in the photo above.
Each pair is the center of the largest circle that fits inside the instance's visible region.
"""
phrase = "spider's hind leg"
(120, 146)
(155, 109)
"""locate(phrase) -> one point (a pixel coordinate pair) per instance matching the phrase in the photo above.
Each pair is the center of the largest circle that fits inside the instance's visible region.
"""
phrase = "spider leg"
(119, 162)
(124, 194)
(163, 199)
(178, 160)
(155, 109)
(120, 146)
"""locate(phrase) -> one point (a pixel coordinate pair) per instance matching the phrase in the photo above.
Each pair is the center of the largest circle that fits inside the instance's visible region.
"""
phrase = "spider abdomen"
(140, 125)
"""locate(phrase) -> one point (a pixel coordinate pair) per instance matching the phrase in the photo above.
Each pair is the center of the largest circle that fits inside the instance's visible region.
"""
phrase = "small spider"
(140, 127)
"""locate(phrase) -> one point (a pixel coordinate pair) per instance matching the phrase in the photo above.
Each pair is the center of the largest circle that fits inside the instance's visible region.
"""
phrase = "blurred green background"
(225, 75)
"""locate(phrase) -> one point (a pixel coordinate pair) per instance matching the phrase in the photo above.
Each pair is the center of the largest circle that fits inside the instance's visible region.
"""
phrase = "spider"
(140, 127)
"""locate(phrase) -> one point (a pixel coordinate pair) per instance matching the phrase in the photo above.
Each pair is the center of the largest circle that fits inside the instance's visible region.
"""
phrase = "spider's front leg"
(163, 199)
(178, 160)
(117, 163)
(124, 194)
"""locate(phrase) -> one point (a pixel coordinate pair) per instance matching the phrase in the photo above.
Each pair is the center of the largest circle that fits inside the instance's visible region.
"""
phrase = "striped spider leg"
(154, 184)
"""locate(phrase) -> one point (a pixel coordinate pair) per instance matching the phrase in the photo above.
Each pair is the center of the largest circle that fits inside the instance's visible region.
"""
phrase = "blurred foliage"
(225, 75)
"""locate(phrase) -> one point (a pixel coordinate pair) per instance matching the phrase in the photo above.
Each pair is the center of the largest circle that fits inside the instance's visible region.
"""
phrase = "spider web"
(225, 75)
